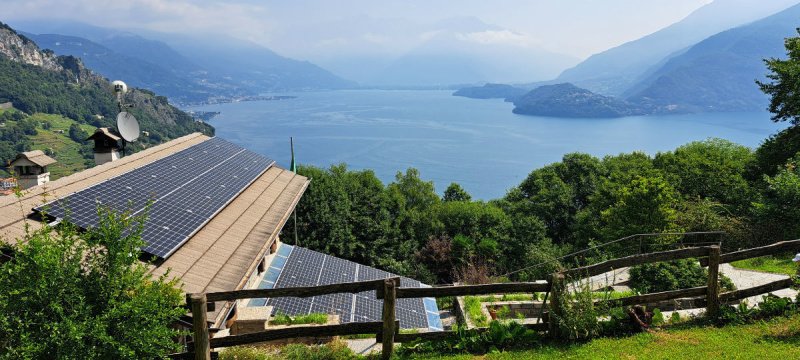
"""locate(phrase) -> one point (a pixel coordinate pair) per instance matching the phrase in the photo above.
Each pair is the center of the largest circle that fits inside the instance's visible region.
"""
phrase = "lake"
(479, 144)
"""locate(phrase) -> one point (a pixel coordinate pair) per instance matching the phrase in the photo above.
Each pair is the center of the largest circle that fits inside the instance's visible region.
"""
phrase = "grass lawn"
(778, 338)
(772, 264)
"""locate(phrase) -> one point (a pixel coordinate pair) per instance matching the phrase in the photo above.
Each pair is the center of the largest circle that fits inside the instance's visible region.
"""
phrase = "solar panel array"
(295, 266)
(186, 190)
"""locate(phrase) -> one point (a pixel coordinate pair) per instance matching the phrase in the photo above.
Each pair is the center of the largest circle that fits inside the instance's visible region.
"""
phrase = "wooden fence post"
(202, 348)
(557, 286)
(389, 299)
(712, 297)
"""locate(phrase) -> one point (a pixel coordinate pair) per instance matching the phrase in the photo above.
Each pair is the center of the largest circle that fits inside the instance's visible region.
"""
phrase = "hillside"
(613, 71)
(719, 73)
(568, 100)
(36, 81)
(218, 68)
(491, 91)
(179, 86)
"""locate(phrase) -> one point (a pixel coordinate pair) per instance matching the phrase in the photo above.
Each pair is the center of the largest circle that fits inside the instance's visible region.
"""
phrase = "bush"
(579, 313)
(500, 335)
(283, 319)
(672, 275)
(68, 295)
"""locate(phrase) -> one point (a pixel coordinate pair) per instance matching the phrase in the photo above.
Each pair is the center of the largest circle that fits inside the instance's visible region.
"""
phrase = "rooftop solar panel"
(185, 190)
(298, 266)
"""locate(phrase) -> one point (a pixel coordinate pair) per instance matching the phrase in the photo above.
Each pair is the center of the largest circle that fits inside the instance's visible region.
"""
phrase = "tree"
(69, 295)
(713, 169)
(455, 192)
(780, 207)
(646, 205)
(783, 87)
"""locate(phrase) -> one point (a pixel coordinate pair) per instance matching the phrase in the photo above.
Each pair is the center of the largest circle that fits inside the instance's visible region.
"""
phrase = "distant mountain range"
(716, 74)
(186, 69)
(614, 71)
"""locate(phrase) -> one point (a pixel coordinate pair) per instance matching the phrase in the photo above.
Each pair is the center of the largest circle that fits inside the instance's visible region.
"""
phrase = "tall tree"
(784, 87)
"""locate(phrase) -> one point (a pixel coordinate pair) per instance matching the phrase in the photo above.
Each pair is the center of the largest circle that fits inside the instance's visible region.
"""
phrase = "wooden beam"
(610, 265)
(202, 350)
(461, 290)
(712, 297)
(389, 300)
(299, 331)
(732, 296)
(441, 335)
(776, 248)
(656, 297)
(301, 292)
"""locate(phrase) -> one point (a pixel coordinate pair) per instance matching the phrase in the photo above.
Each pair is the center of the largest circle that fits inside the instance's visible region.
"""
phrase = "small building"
(30, 168)
(106, 146)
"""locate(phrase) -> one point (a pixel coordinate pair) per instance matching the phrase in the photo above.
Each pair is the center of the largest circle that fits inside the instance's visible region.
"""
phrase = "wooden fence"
(387, 330)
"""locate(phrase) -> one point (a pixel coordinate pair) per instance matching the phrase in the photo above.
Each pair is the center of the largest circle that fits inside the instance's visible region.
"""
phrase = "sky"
(314, 29)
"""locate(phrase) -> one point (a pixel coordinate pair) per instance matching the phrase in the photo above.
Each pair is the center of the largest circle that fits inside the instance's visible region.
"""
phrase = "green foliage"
(71, 295)
(474, 308)
(782, 86)
(646, 205)
(578, 317)
(672, 275)
(780, 204)
(499, 336)
(330, 351)
(455, 192)
(713, 169)
(770, 306)
(781, 264)
(313, 318)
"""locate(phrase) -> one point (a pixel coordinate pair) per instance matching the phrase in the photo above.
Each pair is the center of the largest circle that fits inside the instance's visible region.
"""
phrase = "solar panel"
(186, 189)
(302, 267)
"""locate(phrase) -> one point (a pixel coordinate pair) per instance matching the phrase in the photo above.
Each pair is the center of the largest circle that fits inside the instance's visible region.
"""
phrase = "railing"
(387, 330)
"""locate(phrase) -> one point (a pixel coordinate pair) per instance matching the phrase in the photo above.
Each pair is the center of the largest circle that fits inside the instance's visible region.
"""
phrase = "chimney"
(31, 168)
(106, 146)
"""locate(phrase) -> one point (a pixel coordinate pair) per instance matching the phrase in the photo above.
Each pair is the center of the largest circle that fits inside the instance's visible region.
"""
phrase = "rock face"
(21, 49)
(567, 100)
(491, 91)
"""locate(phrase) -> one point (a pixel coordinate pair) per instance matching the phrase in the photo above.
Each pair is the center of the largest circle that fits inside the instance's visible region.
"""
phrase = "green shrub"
(672, 275)
(314, 318)
(336, 350)
(244, 353)
(472, 305)
(500, 335)
(579, 313)
(68, 295)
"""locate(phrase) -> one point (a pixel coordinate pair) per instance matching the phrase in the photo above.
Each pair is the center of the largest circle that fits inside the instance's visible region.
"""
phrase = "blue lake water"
(478, 143)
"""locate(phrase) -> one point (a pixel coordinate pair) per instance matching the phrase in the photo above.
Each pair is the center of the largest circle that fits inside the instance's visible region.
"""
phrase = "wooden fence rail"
(387, 330)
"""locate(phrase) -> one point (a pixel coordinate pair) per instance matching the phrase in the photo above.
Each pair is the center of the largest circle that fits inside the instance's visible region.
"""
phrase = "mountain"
(38, 81)
(223, 66)
(568, 100)
(613, 71)
(491, 91)
(719, 73)
(137, 72)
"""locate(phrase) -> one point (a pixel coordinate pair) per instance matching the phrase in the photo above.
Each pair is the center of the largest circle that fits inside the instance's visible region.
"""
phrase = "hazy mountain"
(178, 85)
(568, 100)
(719, 73)
(613, 71)
(229, 67)
(451, 51)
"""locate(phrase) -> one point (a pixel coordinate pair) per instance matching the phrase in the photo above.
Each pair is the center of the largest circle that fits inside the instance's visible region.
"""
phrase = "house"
(30, 168)
(215, 214)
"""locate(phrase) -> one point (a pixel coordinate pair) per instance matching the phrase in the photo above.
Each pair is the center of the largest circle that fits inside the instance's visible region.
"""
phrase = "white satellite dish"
(127, 126)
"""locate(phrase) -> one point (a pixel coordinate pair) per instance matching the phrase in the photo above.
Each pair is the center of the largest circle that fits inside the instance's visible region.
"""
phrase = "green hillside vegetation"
(64, 96)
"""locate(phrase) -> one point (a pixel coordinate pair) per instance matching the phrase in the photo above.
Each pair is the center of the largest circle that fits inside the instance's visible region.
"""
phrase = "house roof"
(36, 156)
(105, 132)
(218, 257)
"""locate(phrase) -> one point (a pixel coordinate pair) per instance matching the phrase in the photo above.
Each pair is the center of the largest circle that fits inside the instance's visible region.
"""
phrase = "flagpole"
(293, 167)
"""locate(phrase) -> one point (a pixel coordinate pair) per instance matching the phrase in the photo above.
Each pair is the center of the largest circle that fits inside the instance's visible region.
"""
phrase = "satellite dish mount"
(127, 125)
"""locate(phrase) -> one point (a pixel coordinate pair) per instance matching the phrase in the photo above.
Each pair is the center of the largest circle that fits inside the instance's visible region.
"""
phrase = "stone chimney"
(31, 168)
(106, 146)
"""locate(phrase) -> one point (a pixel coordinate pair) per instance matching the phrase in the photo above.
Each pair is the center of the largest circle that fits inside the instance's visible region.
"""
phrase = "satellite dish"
(128, 126)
